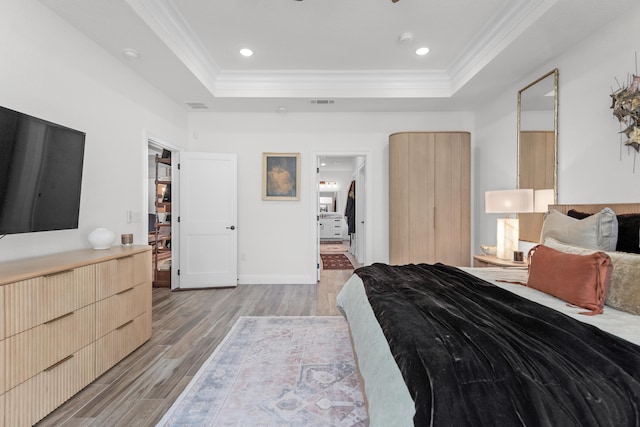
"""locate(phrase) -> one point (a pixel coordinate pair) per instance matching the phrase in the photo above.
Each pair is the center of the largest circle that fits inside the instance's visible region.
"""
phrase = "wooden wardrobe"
(429, 198)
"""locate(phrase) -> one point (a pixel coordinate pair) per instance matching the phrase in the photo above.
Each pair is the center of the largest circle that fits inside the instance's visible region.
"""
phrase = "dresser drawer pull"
(123, 325)
(58, 273)
(59, 317)
(125, 291)
(59, 363)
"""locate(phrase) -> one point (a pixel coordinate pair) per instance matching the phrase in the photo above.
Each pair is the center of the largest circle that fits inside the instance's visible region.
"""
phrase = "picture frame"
(280, 176)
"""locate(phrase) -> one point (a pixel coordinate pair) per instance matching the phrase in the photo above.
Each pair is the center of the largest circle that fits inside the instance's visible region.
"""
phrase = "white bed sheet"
(389, 401)
(620, 323)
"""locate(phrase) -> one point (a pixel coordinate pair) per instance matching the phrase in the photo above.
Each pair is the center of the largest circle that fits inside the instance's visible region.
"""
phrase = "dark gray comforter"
(473, 354)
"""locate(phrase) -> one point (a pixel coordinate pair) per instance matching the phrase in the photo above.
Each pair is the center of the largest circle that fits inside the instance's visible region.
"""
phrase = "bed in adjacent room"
(438, 345)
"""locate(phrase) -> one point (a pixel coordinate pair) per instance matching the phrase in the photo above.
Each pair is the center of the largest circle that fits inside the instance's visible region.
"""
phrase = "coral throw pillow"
(581, 280)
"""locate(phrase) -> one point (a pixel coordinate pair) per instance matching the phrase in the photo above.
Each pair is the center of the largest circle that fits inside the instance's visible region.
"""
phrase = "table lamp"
(543, 198)
(508, 229)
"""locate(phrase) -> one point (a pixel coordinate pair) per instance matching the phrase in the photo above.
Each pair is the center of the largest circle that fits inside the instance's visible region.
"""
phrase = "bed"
(439, 345)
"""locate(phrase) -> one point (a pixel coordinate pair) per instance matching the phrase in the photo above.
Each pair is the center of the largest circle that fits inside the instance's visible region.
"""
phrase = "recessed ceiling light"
(421, 51)
(246, 52)
(130, 53)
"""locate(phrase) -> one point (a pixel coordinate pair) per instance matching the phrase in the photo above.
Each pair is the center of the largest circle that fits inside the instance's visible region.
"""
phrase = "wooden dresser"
(66, 319)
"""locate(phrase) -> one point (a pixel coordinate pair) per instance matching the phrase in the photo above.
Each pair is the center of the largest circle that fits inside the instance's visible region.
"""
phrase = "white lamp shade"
(542, 199)
(509, 201)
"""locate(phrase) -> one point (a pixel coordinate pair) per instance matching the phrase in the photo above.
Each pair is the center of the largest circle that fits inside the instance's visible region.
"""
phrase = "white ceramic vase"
(101, 238)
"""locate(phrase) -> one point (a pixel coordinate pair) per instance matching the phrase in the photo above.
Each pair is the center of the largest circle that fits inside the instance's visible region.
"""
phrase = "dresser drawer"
(2, 353)
(2, 316)
(142, 268)
(114, 346)
(32, 400)
(3, 372)
(35, 301)
(121, 274)
(36, 349)
(118, 309)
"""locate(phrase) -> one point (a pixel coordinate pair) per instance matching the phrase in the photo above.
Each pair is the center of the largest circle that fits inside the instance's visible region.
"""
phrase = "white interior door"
(361, 214)
(317, 214)
(208, 220)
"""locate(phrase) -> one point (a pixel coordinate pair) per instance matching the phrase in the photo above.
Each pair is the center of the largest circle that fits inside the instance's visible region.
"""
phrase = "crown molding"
(505, 27)
(166, 21)
(339, 84)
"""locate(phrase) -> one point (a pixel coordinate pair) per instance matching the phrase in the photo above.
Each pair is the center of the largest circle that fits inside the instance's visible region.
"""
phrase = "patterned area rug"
(333, 247)
(336, 262)
(276, 371)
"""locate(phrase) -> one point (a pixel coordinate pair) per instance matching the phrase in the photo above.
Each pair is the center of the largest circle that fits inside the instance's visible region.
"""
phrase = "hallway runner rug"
(276, 371)
(333, 247)
(336, 262)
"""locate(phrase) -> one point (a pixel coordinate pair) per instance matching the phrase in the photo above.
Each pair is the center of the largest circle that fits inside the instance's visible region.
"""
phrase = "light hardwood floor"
(187, 327)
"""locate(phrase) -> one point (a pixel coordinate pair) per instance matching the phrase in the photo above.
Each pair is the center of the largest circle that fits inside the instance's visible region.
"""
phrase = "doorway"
(162, 195)
(342, 209)
(214, 262)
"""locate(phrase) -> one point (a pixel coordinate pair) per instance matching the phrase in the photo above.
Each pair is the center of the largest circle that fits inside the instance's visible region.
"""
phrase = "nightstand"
(482, 260)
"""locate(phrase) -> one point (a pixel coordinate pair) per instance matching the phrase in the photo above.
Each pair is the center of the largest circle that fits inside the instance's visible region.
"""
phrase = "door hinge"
(318, 218)
(318, 266)
(317, 170)
(178, 219)
(178, 166)
(178, 272)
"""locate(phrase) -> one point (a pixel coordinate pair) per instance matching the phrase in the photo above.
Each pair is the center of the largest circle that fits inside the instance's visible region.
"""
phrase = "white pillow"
(624, 292)
(598, 231)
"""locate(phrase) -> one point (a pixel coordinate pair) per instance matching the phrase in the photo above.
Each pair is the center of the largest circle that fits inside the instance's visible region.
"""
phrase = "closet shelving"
(162, 226)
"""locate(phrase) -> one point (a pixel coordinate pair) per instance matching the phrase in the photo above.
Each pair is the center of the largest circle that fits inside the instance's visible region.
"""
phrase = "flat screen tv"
(40, 174)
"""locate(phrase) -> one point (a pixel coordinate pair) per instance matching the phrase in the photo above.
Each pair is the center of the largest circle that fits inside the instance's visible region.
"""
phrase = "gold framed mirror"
(537, 145)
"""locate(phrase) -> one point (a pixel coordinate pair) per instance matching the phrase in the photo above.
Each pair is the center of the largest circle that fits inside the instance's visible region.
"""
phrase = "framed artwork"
(280, 176)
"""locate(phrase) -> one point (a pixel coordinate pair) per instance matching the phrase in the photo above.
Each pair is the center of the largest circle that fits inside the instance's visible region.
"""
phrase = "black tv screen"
(40, 174)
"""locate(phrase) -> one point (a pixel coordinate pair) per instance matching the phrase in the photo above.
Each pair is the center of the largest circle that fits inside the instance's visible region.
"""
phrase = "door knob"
(233, 227)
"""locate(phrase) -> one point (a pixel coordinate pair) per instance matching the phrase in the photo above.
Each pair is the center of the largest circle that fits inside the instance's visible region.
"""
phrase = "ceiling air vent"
(322, 101)
(197, 106)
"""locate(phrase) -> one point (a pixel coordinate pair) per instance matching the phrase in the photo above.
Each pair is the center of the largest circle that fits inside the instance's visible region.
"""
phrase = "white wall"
(591, 169)
(49, 70)
(274, 238)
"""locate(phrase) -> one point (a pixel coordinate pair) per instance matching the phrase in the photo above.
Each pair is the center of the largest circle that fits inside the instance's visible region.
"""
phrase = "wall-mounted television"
(40, 174)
